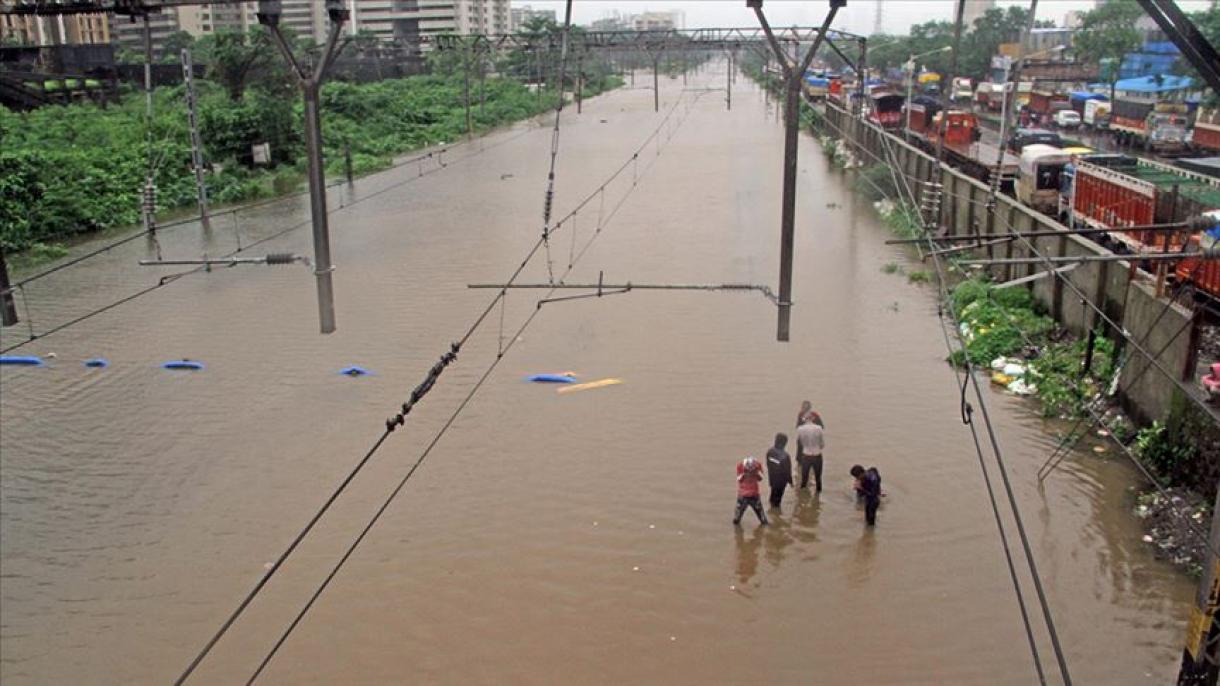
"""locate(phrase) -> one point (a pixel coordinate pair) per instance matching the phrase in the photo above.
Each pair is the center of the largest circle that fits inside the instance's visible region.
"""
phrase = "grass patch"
(920, 276)
(891, 268)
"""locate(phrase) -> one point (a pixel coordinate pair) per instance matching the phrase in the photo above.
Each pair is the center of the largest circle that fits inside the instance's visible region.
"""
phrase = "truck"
(1038, 177)
(1042, 107)
(1096, 114)
(929, 82)
(962, 146)
(816, 87)
(1206, 137)
(1159, 126)
(962, 89)
(885, 107)
(1203, 275)
(1111, 191)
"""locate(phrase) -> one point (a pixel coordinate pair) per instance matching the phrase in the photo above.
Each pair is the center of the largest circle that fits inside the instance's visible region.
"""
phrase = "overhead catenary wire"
(396, 420)
(1192, 526)
(241, 248)
(399, 418)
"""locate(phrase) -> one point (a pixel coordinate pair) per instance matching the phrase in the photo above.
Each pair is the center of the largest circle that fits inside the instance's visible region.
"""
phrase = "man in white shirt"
(810, 442)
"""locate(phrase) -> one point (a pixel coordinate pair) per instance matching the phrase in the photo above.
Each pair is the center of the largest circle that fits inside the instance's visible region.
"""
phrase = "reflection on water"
(747, 552)
(137, 506)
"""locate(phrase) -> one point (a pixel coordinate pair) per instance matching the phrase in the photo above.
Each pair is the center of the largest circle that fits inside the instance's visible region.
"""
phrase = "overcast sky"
(857, 17)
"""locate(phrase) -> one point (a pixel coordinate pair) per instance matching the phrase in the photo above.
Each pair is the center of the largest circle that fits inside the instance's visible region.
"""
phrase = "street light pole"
(311, 84)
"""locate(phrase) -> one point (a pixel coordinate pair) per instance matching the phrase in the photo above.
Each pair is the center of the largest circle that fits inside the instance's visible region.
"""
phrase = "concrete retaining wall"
(1128, 304)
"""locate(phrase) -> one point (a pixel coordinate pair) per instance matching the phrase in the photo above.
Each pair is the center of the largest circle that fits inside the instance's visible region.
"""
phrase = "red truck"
(885, 107)
(1204, 275)
(1207, 130)
(1043, 105)
(1110, 191)
(961, 132)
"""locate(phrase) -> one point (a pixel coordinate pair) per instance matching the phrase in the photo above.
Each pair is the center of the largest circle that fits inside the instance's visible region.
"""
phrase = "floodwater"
(554, 538)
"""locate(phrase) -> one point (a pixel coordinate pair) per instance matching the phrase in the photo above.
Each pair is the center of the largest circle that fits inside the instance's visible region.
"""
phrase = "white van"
(1067, 119)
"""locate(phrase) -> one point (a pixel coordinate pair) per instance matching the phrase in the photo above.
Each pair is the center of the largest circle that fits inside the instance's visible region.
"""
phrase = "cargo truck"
(1159, 126)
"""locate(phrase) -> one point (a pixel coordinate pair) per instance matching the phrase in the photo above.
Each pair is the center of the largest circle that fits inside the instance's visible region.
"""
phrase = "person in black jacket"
(868, 489)
(779, 469)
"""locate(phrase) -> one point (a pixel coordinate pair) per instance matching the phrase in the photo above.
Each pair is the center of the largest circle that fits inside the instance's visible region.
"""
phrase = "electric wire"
(293, 227)
(399, 419)
(967, 418)
(1193, 527)
(550, 177)
(426, 452)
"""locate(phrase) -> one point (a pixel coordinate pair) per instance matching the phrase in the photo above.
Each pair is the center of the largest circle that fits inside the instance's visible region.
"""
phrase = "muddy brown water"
(578, 538)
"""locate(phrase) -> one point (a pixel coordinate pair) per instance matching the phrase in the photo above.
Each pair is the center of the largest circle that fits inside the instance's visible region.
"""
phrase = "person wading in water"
(749, 475)
(809, 446)
(779, 469)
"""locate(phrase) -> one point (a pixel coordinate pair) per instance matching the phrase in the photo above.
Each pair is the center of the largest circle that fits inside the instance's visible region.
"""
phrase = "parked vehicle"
(962, 90)
(1203, 275)
(1096, 114)
(816, 87)
(1038, 177)
(1155, 125)
(961, 134)
(1043, 105)
(929, 83)
(1121, 190)
(987, 96)
(1024, 137)
(1067, 119)
(1078, 100)
(1206, 135)
(885, 107)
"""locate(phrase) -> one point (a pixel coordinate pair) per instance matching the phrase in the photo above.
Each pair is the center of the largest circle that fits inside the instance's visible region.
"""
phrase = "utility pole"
(8, 306)
(201, 189)
(149, 205)
(580, 82)
(466, 89)
(794, 73)
(1202, 653)
(728, 85)
(656, 84)
(310, 85)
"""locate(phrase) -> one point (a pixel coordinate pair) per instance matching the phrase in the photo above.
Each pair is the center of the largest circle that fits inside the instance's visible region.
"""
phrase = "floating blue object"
(354, 371)
(22, 360)
(190, 365)
(550, 378)
(97, 363)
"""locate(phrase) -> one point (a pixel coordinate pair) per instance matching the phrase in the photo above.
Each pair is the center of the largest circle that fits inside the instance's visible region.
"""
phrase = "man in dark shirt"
(868, 489)
(779, 469)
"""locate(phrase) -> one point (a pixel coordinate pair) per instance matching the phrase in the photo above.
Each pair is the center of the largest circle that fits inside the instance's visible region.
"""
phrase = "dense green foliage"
(1008, 323)
(1184, 450)
(979, 42)
(78, 168)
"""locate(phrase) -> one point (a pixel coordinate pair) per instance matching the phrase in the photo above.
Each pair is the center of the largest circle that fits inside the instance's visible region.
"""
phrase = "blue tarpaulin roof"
(1150, 84)
(1085, 95)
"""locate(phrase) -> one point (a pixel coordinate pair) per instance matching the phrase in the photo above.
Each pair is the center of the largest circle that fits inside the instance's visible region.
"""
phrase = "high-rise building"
(128, 32)
(973, 10)
(657, 21)
(520, 15)
(72, 29)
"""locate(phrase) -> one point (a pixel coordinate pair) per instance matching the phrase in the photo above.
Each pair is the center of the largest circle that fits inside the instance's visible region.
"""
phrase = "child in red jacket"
(749, 476)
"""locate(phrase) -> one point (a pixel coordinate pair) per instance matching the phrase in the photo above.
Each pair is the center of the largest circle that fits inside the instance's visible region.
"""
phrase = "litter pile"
(1165, 521)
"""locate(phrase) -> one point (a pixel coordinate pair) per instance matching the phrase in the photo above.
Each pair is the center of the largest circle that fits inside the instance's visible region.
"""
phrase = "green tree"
(237, 60)
(1107, 34)
(174, 44)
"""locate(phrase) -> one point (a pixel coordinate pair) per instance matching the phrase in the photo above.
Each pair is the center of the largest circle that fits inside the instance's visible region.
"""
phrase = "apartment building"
(76, 29)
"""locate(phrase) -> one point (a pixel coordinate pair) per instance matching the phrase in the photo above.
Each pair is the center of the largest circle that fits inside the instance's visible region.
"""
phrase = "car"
(1024, 137)
(1067, 119)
